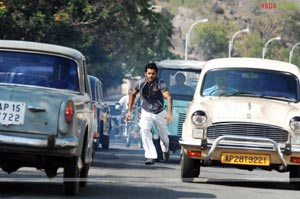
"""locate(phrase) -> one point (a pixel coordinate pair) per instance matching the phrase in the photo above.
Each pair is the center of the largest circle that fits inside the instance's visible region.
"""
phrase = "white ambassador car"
(251, 122)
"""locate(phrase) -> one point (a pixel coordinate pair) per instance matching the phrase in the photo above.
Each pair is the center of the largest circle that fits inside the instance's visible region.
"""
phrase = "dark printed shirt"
(151, 94)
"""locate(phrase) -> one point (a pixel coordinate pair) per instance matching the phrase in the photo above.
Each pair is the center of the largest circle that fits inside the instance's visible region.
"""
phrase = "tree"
(291, 30)
(212, 40)
(249, 46)
(111, 33)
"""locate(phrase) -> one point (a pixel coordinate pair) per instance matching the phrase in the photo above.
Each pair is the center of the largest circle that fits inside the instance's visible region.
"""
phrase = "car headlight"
(199, 118)
(295, 124)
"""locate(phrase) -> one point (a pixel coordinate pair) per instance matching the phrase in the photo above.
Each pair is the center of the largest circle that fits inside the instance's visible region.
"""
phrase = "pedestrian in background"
(125, 100)
(152, 93)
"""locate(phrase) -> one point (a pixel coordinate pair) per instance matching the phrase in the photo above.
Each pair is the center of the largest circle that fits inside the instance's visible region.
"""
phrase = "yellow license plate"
(245, 159)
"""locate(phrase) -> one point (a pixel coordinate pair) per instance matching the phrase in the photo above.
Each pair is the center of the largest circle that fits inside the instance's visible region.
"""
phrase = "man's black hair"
(151, 66)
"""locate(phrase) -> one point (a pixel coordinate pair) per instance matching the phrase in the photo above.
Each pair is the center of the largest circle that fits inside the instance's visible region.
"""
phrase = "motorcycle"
(131, 129)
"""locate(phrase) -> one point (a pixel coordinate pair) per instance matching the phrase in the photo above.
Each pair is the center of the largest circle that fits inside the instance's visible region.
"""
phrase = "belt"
(157, 112)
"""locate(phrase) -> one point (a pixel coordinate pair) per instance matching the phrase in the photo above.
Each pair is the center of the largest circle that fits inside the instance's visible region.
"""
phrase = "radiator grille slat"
(181, 118)
(248, 129)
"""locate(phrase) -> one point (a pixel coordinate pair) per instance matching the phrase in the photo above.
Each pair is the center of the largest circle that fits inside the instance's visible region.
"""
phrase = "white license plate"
(12, 113)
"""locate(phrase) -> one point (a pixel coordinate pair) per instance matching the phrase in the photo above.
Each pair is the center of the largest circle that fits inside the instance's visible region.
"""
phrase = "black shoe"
(149, 161)
(166, 156)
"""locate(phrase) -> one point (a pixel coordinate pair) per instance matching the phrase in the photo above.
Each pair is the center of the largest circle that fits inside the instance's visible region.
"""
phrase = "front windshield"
(38, 70)
(182, 83)
(250, 82)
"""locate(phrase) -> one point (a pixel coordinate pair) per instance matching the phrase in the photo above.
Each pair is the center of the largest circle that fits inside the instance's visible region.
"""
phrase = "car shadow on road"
(129, 158)
(248, 183)
(93, 190)
(30, 189)
(138, 192)
(138, 164)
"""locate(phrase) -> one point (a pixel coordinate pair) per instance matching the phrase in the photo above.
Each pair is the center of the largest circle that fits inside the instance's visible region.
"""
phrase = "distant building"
(129, 83)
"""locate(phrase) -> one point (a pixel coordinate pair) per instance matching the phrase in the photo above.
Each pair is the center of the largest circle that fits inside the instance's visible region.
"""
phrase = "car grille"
(181, 118)
(247, 129)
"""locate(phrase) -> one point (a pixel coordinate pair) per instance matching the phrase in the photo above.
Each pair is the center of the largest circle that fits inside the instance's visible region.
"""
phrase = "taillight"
(95, 135)
(69, 111)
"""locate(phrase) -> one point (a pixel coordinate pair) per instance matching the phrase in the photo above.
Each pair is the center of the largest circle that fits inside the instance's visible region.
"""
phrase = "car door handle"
(36, 109)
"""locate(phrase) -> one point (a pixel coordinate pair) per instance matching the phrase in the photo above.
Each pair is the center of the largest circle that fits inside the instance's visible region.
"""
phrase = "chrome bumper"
(51, 142)
(273, 146)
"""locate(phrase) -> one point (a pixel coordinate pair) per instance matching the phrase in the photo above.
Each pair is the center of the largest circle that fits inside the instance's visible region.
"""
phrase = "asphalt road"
(119, 172)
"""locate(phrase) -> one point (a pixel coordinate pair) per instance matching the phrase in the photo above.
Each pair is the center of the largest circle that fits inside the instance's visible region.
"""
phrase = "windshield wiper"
(250, 94)
(239, 93)
(280, 97)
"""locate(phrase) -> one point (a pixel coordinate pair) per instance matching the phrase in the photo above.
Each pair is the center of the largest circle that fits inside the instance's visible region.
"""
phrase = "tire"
(93, 152)
(190, 168)
(71, 176)
(105, 142)
(128, 141)
(97, 144)
(84, 175)
(86, 166)
(295, 176)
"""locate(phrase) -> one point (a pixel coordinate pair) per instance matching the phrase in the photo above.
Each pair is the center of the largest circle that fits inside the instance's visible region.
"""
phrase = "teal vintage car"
(103, 116)
(46, 115)
(181, 77)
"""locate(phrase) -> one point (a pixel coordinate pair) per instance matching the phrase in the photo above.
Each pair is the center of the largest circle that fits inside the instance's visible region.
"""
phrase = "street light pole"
(264, 51)
(230, 44)
(292, 51)
(187, 35)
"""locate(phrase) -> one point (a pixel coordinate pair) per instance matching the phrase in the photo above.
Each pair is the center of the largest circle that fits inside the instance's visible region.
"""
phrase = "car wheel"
(295, 176)
(97, 144)
(128, 141)
(85, 169)
(84, 175)
(71, 176)
(105, 142)
(93, 152)
(190, 168)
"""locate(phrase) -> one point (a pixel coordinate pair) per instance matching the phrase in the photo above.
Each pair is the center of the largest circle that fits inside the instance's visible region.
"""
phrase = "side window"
(101, 96)
(86, 81)
(97, 94)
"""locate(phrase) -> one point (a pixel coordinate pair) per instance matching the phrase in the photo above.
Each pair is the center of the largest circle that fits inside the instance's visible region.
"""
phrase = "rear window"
(38, 70)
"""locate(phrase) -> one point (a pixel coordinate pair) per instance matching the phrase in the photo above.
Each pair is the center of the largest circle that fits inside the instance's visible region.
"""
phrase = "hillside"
(263, 19)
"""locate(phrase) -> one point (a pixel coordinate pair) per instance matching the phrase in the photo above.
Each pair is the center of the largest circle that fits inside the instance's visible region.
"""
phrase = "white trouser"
(146, 122)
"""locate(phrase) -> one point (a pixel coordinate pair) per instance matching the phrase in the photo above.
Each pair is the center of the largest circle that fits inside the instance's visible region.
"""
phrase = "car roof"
(238, 62)
(93, 78)
(181, 64)
(40, 47)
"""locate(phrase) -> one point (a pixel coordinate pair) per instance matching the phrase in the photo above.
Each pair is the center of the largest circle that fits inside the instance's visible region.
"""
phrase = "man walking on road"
(152, 91)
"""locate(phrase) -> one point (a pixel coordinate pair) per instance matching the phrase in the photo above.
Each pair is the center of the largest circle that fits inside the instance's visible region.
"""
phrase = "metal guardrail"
(245, 138)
